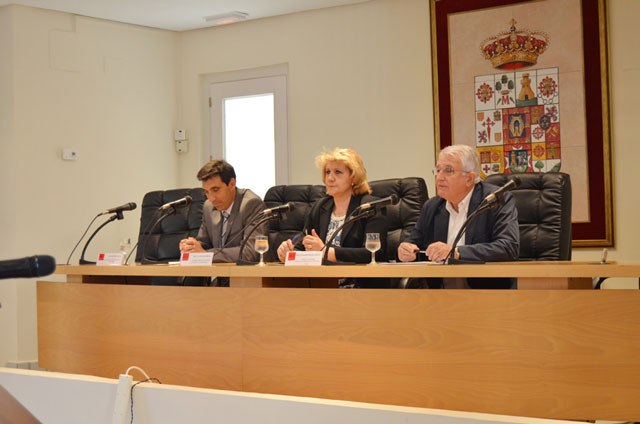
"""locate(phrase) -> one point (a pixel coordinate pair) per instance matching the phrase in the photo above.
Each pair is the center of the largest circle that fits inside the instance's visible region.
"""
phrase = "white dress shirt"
(456, 220)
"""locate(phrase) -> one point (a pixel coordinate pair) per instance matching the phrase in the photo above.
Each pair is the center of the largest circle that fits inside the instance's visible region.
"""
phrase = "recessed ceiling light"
(226, 18)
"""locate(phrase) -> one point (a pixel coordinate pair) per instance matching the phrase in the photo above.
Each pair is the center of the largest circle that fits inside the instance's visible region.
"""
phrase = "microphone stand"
(172, 210)
(118, 215)
(483, 207)
(356, 215)
(263, 220)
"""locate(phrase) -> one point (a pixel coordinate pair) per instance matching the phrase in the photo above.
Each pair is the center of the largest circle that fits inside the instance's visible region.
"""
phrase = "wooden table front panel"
(182, 335)
(549, 353)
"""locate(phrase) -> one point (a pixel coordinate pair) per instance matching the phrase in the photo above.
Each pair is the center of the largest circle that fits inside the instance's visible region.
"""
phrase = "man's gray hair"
(467, 155)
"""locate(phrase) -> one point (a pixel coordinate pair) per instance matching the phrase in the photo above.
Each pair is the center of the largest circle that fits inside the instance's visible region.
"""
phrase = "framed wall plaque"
(525, 82)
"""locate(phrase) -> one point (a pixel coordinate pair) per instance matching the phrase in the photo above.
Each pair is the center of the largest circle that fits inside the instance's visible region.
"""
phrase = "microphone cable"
(126, 262)
(152, 379)
(81, 237)
(151, 221)
(147, 379)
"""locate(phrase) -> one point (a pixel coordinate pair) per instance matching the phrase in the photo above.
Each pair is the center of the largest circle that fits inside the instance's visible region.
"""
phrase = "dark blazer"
(246, 206)
(352, 239)
(493, 236)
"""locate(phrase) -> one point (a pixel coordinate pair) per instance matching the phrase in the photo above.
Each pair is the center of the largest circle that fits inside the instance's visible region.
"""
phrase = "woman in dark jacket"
(345, 178)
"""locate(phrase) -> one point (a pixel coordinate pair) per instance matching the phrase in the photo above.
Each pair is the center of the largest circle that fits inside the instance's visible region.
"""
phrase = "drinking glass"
(262, 245)
(372, 244)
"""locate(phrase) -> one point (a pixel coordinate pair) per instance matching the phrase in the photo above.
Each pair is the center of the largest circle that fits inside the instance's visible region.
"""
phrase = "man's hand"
(191, 245)
(438, 251)
(406, 252)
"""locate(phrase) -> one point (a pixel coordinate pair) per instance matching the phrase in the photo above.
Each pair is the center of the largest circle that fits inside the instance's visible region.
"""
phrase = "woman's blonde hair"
(351, 160)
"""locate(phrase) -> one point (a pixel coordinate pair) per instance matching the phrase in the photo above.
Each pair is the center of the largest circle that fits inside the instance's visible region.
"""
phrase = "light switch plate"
(180, 135)
(69, 154)
(182, 146)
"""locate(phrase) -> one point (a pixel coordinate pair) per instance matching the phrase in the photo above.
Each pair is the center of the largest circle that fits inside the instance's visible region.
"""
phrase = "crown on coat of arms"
(514, 49)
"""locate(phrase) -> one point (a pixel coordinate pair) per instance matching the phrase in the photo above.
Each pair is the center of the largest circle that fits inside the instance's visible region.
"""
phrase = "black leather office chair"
(163, 244)
(543, 201)
(402, 217)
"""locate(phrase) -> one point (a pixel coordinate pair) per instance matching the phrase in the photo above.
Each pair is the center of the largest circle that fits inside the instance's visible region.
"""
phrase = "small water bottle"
(125, 248)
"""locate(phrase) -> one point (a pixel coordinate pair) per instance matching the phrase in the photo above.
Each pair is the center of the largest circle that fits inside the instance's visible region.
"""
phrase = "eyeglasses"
(448, 171)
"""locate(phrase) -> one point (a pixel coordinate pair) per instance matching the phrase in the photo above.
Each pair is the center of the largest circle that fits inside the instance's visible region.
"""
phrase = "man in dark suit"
(226, 216)
(492, 236)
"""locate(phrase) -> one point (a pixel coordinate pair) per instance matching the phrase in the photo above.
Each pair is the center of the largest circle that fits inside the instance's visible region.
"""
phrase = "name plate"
(194, 259)
(299, 258)
(111, 259)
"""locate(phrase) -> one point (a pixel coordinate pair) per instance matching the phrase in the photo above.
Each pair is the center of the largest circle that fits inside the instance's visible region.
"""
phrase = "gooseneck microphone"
(126, 207)
(118, 215)
(491, 201)
(514, 182)
(366, 210)
(186, 200)
(171, 206)
(377, 204)
(29, 267)
(287, 207)
(271, 214)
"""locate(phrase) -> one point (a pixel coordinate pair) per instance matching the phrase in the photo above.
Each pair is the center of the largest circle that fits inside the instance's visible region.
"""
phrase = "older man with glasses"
(492, 236)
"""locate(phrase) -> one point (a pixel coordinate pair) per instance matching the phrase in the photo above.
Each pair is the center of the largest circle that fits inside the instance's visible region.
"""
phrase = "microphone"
(377, 204)
(29, 267)
(514, 182)
(262, 218)
(180, 202)
(287, 207)
(118, 215)
(491, 201)
(126, 207)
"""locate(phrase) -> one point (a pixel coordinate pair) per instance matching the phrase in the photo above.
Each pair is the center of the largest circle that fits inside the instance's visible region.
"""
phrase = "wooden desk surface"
(541, 269)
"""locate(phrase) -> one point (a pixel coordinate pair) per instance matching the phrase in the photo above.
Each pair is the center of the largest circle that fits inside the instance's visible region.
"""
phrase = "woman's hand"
(313, 242)
(285, 246)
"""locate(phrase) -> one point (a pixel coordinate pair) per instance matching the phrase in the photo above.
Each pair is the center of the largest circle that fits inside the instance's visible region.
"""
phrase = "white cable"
(133, 367)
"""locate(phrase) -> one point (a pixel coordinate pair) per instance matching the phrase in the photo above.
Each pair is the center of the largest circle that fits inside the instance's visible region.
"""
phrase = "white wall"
(107, 90)
(625, 91)
(8, 290)
(359, 77)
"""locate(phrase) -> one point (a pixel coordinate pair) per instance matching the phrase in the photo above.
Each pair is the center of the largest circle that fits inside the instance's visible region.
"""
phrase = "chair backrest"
(163, 245)
(302, 197)
(543, 201)
(402, 217)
